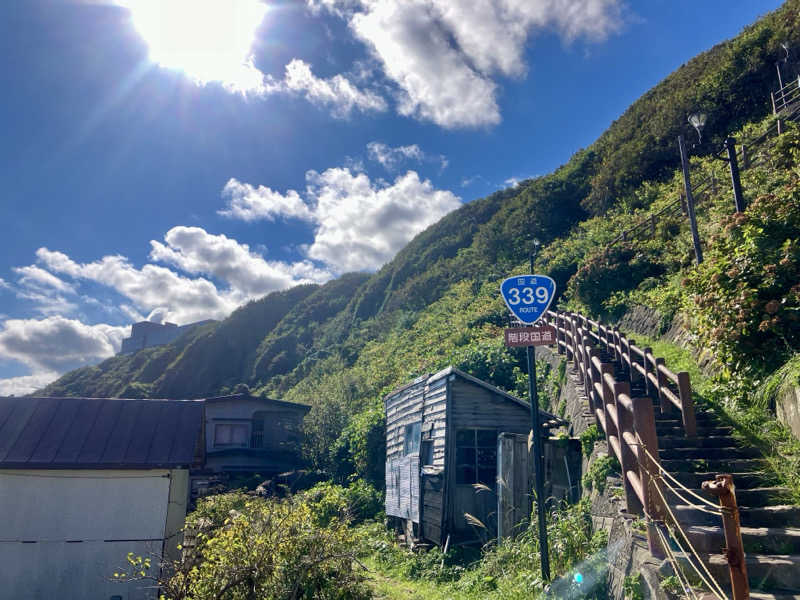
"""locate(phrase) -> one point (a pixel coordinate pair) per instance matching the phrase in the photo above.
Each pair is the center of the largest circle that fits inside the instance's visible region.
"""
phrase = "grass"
(506, 571)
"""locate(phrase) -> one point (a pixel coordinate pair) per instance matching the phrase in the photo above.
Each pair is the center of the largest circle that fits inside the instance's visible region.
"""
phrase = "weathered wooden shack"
(441, 440)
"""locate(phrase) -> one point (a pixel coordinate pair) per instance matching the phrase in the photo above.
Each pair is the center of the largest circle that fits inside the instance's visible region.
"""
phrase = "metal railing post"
(723, 488)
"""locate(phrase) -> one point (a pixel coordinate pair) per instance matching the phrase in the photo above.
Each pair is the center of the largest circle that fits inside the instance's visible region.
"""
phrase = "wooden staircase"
(770, 523)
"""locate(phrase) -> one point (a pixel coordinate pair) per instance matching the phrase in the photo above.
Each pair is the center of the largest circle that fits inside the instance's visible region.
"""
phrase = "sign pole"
(538, 463)
(527, 298)
(538, 459)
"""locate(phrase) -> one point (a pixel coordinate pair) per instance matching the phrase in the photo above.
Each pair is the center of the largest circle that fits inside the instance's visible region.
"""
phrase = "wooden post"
(644, 423)
(627, 456)
(663, 401)
(648, 385)
(723, 488)
(652, 225)
(687, 404)
(687, 184)
(607, 398)
(738, 199)
(633, 376)
(594, 377)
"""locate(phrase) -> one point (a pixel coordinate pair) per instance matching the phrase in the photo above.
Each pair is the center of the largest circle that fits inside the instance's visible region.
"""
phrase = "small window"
(476, 456)
(411, 441)
(231, 435)
(426, 453)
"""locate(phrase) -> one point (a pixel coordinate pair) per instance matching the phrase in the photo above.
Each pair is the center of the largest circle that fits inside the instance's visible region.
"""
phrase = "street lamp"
(698, 121)
(535, 251)
(785, 59)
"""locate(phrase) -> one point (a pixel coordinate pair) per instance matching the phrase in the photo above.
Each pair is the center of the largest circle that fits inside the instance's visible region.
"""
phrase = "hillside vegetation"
(341, 346)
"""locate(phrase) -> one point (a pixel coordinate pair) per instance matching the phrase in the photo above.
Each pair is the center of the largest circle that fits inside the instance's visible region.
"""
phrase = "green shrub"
(602, 466)
(271, 550)
(588, 437)
(352, 504)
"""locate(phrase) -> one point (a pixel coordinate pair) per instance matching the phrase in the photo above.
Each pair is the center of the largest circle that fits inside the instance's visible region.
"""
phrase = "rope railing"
(600, 354)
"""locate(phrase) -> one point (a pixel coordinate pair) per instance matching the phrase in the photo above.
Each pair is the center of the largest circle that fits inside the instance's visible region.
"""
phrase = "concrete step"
(779, 572)
(674, 417)
(729, 452)
(710, 539)
(783, 515)
(758, 496)
(758, 595)
(739, 465)
(706, 441)
(740, 480)
(671, 429)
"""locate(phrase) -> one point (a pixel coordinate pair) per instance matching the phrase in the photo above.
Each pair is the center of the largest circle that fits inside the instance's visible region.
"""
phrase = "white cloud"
(26, 384)
(55, 344)
(33, 276)
(336, 93)
(360, 224)
(195, 251)
(249, 203)
(391, 158)
(444, 55)
(150, 287)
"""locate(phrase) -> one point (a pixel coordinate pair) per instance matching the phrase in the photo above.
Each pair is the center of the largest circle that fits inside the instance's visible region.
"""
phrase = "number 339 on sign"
(528, 296)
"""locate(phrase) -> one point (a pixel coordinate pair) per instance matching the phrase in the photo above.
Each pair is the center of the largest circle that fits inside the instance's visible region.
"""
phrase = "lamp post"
(698, 121)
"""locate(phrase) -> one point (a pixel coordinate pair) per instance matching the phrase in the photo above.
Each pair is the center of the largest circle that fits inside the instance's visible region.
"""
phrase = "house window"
(476, 456)
(231, 434)
(411, 442)
(257, 431)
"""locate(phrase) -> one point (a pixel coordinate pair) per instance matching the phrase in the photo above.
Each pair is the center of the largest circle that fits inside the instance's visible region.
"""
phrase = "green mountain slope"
(339, 346)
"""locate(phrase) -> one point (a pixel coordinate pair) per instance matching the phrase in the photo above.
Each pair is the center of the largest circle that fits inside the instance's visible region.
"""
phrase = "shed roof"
(98, 433)
(547, 419)
(291, 405)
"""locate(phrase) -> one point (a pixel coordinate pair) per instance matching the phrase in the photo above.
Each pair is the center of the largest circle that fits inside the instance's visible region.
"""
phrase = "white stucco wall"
(64, 533)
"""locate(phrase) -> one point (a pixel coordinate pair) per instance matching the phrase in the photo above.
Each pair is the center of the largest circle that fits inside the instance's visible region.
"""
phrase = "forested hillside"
(342, 345)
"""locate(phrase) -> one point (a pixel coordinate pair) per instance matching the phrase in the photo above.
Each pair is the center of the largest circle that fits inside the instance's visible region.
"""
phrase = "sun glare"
(209, 40)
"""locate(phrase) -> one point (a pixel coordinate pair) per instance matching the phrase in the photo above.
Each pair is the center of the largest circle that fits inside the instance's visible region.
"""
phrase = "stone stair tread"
(758, 595)
(765, 571)
(778, 515)
(775, 536)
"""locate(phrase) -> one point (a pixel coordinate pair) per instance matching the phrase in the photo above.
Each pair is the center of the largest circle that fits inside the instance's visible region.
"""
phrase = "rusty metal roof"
(98, 433)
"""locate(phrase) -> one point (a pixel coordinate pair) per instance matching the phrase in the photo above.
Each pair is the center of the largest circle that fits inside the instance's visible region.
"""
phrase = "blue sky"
(172, 159)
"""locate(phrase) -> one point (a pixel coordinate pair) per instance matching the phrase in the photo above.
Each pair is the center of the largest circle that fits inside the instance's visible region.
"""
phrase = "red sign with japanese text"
(530, 336)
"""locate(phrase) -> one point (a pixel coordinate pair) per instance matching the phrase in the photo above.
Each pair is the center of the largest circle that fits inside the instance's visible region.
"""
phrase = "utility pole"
(538, 458)
(698, 251)
(738, 200)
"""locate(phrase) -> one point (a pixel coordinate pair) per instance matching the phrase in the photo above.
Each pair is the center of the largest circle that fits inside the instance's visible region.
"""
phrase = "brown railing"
(610, 366)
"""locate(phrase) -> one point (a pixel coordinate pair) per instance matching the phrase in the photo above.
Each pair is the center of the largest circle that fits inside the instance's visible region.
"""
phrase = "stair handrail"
(639, 362)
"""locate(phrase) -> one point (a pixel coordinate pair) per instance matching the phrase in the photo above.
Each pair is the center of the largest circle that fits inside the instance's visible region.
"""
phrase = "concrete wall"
(64, 533)
(787, 409)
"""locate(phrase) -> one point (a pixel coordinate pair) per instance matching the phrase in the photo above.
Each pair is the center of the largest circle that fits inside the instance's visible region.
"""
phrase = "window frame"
(475, 465)
(246, 425)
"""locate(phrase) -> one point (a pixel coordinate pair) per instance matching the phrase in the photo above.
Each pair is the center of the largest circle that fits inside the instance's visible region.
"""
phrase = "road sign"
(528, 296)
(530, 336)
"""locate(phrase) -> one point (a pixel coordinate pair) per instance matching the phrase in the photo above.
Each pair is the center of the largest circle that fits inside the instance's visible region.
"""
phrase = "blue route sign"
(528, 296)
